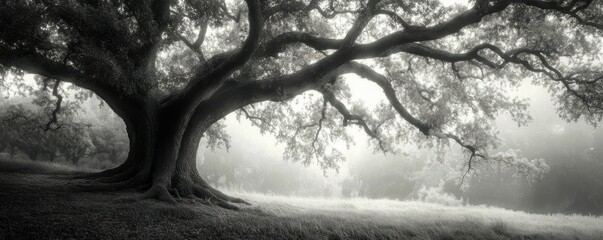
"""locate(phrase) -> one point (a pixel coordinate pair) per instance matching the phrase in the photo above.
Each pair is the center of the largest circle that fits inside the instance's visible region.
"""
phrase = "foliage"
(108, 142)
(23, 130)
(446, 72)
(72, 138)
(438, 196)
(248, 167)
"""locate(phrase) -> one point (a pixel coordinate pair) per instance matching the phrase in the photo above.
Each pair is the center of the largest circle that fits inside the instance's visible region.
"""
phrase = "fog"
(572, 150)
(254, 162)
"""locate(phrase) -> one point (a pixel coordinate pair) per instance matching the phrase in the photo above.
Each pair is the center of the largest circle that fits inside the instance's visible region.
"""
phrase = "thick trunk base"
(162, 158)
(185, 190)
(145, 170)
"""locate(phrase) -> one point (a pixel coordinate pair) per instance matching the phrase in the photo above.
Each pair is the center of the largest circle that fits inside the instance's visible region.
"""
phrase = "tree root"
(187, 192)
(227, 198)
(184, 191)
(160, 193)
(106, 173)
(205, 193)
(115, 186)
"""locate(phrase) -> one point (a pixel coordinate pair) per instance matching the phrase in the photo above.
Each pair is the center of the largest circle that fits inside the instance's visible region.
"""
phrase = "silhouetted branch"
(252, 117)
(349, 118)
(53, 120)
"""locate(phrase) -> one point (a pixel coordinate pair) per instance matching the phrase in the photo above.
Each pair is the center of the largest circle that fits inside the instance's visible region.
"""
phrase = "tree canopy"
(172, 69)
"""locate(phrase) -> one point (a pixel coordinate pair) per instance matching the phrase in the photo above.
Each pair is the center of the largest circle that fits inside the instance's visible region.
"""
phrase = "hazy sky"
(246, 137)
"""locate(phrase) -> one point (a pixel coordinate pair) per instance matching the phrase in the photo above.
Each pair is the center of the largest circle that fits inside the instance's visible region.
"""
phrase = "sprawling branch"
(513, 56)
(383, 46)
(337, 63)
(210, 81)
(278, 43)
(349, 118)
(382, 81)
(38, 64)
(317, 74)
(365, 72)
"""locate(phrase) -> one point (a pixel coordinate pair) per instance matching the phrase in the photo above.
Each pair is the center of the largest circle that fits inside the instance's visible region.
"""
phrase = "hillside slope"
(40, 206)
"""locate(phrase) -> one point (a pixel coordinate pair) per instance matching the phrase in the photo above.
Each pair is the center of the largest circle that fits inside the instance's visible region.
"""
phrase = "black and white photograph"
(301, 119)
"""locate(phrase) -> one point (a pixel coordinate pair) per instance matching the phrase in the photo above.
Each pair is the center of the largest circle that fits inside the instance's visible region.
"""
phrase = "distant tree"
(384, 177)
(107, 143)
(219, 170)
(572, 185)
(24, 130)
(574, 181)
(171, 69)
(241, 168)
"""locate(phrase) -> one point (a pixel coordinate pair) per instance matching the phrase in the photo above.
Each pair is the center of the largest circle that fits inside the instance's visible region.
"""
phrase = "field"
(38, 204)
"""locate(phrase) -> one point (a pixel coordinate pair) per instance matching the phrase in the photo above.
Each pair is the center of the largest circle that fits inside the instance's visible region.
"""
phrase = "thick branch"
(203, 82)
(363, 19)
(390, 93)
(196, 45)
(365, 72)
(381, 46)
(349, 118)
(38, 64)
(511, 56)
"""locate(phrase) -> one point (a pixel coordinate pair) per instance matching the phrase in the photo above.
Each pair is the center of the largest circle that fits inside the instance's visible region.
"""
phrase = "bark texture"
(103, 57)
(162, 157)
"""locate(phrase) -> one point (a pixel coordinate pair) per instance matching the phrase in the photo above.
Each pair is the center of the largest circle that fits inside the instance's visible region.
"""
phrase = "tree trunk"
(162, 156)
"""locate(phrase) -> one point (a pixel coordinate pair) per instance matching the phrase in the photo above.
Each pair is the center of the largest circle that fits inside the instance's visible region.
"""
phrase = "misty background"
(253, 162)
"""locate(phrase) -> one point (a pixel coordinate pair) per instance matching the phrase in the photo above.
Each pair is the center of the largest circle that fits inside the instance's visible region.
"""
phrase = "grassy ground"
(43, 206)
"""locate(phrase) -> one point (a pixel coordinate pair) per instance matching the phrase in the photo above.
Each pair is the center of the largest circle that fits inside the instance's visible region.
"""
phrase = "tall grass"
(422, 218)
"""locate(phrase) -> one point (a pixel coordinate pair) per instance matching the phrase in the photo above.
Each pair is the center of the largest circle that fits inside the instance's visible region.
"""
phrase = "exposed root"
(143, 187)
(71, 176)
(205, 193)
(183, 190)
(175, 193)
(96, 186)
(201, 182)
(97, 175)
(228, 198)
(118, 177)
(169, 195)
(160, 193)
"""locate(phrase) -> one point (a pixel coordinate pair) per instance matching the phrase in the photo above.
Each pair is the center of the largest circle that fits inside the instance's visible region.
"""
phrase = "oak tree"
(172, 69)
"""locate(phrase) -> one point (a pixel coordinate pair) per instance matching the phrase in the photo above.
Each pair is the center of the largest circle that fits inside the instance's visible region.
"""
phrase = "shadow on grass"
(37, 206)
(39, 167)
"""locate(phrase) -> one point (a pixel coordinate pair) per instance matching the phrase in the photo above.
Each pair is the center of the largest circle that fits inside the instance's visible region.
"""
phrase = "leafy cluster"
(446, 72)
(23, 131)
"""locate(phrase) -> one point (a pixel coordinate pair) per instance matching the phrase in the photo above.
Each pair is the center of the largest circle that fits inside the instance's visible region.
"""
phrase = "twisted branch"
(53, 120)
